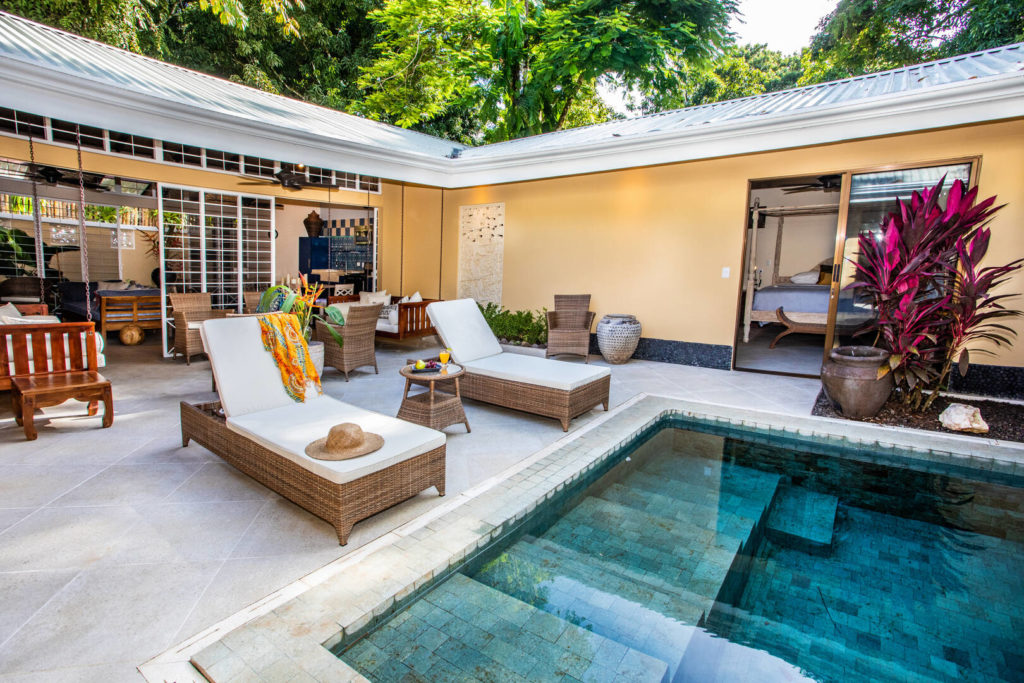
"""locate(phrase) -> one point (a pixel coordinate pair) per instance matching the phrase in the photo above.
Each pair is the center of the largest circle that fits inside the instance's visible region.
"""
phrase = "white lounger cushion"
(288, 429)
(463, 329)
(542, 372)
(248, 380)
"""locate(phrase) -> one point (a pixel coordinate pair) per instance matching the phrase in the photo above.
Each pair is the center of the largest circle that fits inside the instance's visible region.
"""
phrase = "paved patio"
(117, 544)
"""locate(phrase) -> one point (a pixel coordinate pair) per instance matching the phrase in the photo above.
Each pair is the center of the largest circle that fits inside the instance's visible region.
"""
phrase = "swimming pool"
(714, 556)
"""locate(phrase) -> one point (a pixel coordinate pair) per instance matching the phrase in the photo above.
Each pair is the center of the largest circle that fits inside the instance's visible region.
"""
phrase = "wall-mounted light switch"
(725, 273)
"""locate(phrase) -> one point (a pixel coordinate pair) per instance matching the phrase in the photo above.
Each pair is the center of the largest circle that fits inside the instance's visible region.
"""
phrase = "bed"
(808, 306)
(112, 309)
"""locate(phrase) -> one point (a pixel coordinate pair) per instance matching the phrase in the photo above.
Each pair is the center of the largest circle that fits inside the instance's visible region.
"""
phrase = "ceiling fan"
(290, 179)
(825, 183)
(52, 175)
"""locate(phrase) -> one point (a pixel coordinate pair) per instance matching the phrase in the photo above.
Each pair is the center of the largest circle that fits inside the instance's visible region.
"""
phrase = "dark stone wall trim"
(717, 356)
(1002, 381)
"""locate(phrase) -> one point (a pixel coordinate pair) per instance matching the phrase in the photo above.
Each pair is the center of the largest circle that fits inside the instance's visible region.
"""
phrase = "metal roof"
(27, 41)
(61, 71)
(836, 94)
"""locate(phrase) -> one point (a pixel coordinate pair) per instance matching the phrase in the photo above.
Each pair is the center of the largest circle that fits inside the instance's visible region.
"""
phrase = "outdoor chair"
(535, 385)
(260, 430)
(251, 301)
(569, 326)
(190, 311)
(358, 333)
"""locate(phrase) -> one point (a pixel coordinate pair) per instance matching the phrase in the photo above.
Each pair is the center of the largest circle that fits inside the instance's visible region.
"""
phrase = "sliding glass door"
(868, 198)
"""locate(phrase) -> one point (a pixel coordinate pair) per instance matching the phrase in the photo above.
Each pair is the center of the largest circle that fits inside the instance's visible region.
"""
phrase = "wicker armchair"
(357, 332)
(251, 301)
(189, 311)
(569, 326)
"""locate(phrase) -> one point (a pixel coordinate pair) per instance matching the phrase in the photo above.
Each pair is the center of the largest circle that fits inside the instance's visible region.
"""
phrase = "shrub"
(516, 327)
(931, 297)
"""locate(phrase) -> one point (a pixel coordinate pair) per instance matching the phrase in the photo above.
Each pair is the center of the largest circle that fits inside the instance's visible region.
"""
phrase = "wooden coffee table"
(437, 407)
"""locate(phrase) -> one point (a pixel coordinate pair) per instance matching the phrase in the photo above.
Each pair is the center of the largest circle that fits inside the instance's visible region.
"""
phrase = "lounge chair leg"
(565, 423)
(346, 379)
(440, 485)
(188, 359)
(343, 529)
(184, 440)
(605, 404)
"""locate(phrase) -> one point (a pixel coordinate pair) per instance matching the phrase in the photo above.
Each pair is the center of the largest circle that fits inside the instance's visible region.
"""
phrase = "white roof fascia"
(995, 98)
(58, 95)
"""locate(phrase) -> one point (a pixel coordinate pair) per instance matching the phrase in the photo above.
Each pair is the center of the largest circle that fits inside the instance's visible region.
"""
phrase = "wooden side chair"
(190, 310)
(50, 363)
(251, 301)
(358, 333)
(569, 326)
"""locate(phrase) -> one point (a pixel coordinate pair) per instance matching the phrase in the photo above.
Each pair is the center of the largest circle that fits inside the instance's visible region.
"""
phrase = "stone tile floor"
(116, 544)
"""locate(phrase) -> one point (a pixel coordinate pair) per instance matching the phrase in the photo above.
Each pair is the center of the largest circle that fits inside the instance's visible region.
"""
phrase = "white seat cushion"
(343, 308)
(387, 326)
(544, 372)
(287, 430)
(463, 329)
(248, 380)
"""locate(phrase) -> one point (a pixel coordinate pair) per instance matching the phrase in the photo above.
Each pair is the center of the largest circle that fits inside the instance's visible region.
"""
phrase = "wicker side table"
(433, 408)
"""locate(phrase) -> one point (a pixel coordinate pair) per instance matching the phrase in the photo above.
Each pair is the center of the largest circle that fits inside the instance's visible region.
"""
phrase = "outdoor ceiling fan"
(291, 179)
(52, 175)
(825, 183)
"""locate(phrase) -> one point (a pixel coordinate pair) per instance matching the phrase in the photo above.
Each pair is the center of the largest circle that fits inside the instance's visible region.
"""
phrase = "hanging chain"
(82, 241)
(40, 261)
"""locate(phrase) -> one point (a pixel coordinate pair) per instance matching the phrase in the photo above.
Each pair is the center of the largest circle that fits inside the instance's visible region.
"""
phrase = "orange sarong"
(283, 339)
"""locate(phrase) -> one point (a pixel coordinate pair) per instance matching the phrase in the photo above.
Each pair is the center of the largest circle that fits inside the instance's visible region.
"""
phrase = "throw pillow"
(381, 297)
(393, 316)
(112, 285)
(809, 277)
(9, 311)
(415, 297)
(385, 312)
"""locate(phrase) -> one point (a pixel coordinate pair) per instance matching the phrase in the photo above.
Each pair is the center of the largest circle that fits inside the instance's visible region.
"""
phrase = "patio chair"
(358, 332)
(569, 326)
(190, 311)
(251, 301)
(261, 431)
(534, 385)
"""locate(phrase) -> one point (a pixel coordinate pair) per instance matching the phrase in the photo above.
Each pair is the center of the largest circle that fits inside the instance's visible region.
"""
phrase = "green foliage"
(740, 71)
(18, 252)
(862, 36)
(530, 67)
(516, 327)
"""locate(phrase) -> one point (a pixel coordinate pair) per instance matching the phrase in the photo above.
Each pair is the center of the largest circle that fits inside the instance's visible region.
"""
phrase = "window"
(369, 183)
(134, 145)
(260, 167)
(183, 154)
(225, 161)
(64, 131)
(348, 181)
(319, 175)
(20, 123)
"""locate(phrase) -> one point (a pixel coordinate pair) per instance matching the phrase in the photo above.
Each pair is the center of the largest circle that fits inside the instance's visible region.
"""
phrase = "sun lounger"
(534, 385)
(260, 430)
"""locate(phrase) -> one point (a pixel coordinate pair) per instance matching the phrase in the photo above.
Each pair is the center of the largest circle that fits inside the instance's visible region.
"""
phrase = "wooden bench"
(118, 312)
(413, 320)
(52, 362)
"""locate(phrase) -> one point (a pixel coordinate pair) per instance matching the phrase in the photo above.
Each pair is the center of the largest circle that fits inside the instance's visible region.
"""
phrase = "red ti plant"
(926, 313)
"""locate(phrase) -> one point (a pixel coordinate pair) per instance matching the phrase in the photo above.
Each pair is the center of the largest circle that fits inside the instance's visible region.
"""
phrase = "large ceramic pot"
(316, 352)
(617, 337)
(850, 378)
(313, 223)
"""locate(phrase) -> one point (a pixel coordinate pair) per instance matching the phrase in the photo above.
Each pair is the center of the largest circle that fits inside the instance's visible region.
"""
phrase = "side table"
(433, 408)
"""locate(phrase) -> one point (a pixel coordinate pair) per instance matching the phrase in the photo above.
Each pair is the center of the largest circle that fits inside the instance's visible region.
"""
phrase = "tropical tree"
(862, 36)
(531, 67)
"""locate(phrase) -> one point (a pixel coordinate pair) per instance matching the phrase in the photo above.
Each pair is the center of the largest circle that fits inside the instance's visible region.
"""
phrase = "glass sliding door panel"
(872, 198)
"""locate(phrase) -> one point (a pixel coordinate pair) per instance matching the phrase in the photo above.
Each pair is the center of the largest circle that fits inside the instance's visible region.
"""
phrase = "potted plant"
(301, 304)
(932, 299)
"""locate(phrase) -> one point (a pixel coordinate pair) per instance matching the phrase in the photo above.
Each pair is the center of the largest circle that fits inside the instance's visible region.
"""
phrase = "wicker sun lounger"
(260, 430)
(534, 385)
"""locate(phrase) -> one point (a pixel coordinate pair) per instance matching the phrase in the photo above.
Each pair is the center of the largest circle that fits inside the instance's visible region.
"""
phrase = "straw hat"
(344, 441)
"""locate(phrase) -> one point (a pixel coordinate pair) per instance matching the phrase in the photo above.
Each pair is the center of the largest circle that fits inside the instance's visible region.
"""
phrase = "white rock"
(961, 417)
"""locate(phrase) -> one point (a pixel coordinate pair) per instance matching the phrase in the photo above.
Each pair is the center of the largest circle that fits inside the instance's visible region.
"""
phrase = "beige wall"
(288, 222)
(653, 241)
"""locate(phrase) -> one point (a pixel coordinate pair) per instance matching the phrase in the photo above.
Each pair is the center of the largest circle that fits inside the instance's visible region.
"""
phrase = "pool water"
(706, 557)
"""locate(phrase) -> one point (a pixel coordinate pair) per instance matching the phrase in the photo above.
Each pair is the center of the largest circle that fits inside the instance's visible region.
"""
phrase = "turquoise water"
(705, 557)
